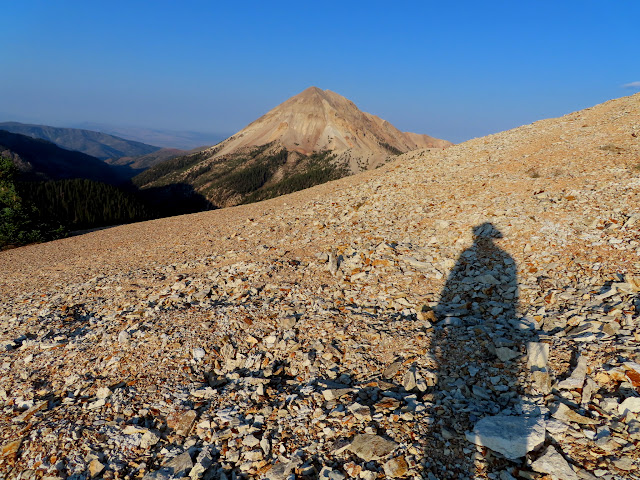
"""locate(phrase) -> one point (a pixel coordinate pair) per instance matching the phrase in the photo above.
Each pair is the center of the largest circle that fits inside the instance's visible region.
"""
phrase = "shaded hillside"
(131, 166)
(244, 177)
(96, 144)
(313, 137)
(39, 159)
(80, 203)
(38, 211)
(60, 190)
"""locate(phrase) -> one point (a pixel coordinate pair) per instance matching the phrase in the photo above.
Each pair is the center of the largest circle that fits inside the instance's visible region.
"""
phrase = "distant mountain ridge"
(39, 159)
(313, 137)
(131, 166)
(184, 140)
(97, 144)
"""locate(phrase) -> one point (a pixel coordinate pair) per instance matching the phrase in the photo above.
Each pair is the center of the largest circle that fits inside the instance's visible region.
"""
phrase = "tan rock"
(182, 422)
(396, 467)
(371, 447)
(541, 381)
(95, 468)
(10, 450)
(564, 413)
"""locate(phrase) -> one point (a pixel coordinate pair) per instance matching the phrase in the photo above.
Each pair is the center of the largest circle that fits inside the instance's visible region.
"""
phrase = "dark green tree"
(19, 220)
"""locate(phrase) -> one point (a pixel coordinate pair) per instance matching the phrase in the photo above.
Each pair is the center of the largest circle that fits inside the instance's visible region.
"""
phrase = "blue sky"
(454, 70)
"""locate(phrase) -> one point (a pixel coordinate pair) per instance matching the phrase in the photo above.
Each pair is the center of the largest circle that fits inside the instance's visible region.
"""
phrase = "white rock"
(409, 381)
(505, 354)
(555, 464)
(576, 380)
(97, 404)
(265, 445)
(512, 436)
(250, 441)
(124, 338)
(198, 354)
(149, 439)
(103, 392)
(328, 474)
(537, 355)
(631, 404)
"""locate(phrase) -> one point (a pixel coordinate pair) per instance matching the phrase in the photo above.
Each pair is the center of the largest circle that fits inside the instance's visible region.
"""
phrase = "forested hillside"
(20, 221)
(81, 203)
(45, 210)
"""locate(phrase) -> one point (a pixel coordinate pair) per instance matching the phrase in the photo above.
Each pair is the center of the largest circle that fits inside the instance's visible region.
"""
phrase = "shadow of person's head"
(486, 231)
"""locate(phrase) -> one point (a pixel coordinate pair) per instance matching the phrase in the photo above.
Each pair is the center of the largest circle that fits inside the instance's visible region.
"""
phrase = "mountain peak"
(315, 95)
(316, 120)
(311, 90)
(313, 137)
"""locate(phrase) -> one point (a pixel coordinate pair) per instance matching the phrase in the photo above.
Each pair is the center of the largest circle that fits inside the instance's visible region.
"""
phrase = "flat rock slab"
(567, 415)
(553, 463)
(281, 471)
(512, 436)
(396, 467)
(371, 447)
(182, 422)
(537, 355)
(175, 468)
(631, 404)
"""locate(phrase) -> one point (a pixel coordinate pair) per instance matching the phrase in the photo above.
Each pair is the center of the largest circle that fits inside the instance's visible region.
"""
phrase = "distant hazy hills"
(185, 140)
(96, 144)
(39, 159)
(313, 137)
(131, 166)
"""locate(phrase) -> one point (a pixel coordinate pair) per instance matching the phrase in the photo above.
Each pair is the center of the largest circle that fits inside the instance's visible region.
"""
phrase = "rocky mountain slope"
(313, 137)
(461, 313)
(96, 144)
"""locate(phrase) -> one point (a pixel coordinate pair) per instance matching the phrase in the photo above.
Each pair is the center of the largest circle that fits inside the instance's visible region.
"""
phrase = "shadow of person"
(476, 347)
(483, 280)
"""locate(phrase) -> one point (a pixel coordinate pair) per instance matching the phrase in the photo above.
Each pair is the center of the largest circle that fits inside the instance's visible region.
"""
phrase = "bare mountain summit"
(313, 137)
(317, 120)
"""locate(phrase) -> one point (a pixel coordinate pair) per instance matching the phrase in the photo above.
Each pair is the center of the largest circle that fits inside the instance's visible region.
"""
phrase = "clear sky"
(451, 69)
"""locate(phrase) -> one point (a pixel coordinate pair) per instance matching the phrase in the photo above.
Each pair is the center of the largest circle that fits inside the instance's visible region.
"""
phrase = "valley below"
(468, 312)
